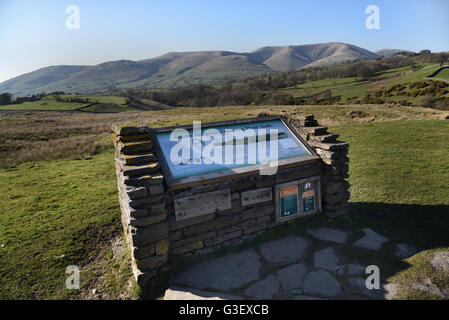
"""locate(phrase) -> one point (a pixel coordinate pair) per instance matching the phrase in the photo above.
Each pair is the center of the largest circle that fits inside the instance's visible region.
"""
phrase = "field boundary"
(432, 76)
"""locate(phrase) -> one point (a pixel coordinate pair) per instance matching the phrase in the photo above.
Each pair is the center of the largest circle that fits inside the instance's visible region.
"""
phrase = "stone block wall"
(148, 206)
(334, 156)
(143, 199)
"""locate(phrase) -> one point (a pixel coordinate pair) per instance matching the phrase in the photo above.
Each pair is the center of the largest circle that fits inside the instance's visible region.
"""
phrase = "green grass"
(400, 168)
(46, 103)
(352, 88)
(443, 74)
(392, 72)
(98, 98)
(415, 151)
(53, 214)
(420, 269)
(102, 103)
(344, 87)
(416, 75)
(108, 107)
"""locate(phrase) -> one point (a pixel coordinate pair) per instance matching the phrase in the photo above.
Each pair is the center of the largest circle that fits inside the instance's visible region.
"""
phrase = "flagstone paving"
(329, 234)
(354, 269)
(307, 298)
(284, 251)
(227, 272)
(405, 251)
(178, 293)
(265, 288)
(292, 277)
(327, 259)
(358, 286)
(371, 240)
(322, 283)
(440, 261)
(298, 268)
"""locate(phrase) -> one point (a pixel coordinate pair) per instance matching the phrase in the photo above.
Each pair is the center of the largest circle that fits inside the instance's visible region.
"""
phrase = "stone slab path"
(315, 266)
(227, 272)
(371, 240)
(327, 259)
(284, 251)
(405, 251)
(178, 293)
(328, 234)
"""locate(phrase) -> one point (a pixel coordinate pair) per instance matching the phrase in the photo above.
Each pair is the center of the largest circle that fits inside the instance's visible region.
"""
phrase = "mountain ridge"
(177, 69)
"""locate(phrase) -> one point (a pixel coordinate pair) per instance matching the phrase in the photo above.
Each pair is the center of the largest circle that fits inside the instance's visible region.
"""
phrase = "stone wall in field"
(335, 162)
(246, 205)
(143, 199)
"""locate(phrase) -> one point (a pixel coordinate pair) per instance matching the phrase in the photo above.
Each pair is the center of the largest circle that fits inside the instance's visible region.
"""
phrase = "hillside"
(29, 82)
(419, 80)
(179, 69)
(289, 58)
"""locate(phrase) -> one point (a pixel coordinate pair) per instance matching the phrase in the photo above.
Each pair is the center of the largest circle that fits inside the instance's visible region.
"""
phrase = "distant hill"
(317, 55)
(179, 69)
(29, 82)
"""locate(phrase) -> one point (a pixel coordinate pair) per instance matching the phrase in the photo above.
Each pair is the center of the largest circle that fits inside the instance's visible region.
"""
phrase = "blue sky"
(33, 33)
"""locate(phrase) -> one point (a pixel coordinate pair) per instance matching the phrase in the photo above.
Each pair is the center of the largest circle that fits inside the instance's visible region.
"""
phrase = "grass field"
(352, 89)
(415, 75)
(411, 144)
(53, 214)
(97, 103)
(344, 87)
(443, 74)
(98, 98)
(46, 103)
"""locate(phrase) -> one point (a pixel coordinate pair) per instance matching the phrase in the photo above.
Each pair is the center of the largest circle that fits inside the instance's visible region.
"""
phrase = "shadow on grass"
(424, 226)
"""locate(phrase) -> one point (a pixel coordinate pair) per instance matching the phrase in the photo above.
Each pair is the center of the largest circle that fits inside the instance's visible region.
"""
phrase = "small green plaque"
(308, 204)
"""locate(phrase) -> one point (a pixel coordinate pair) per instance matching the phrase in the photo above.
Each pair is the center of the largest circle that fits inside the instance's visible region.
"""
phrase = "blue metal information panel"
(191, 152)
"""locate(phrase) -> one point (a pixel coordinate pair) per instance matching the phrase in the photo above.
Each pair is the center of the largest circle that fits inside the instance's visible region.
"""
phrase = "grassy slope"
(344, 87)
(108, 107)
(418, 75)
(443, 74)
(407, 148)
(46, 103)
(98, 98)
(106, 104)
(54, 208)
(53, 214)
(354, 87)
